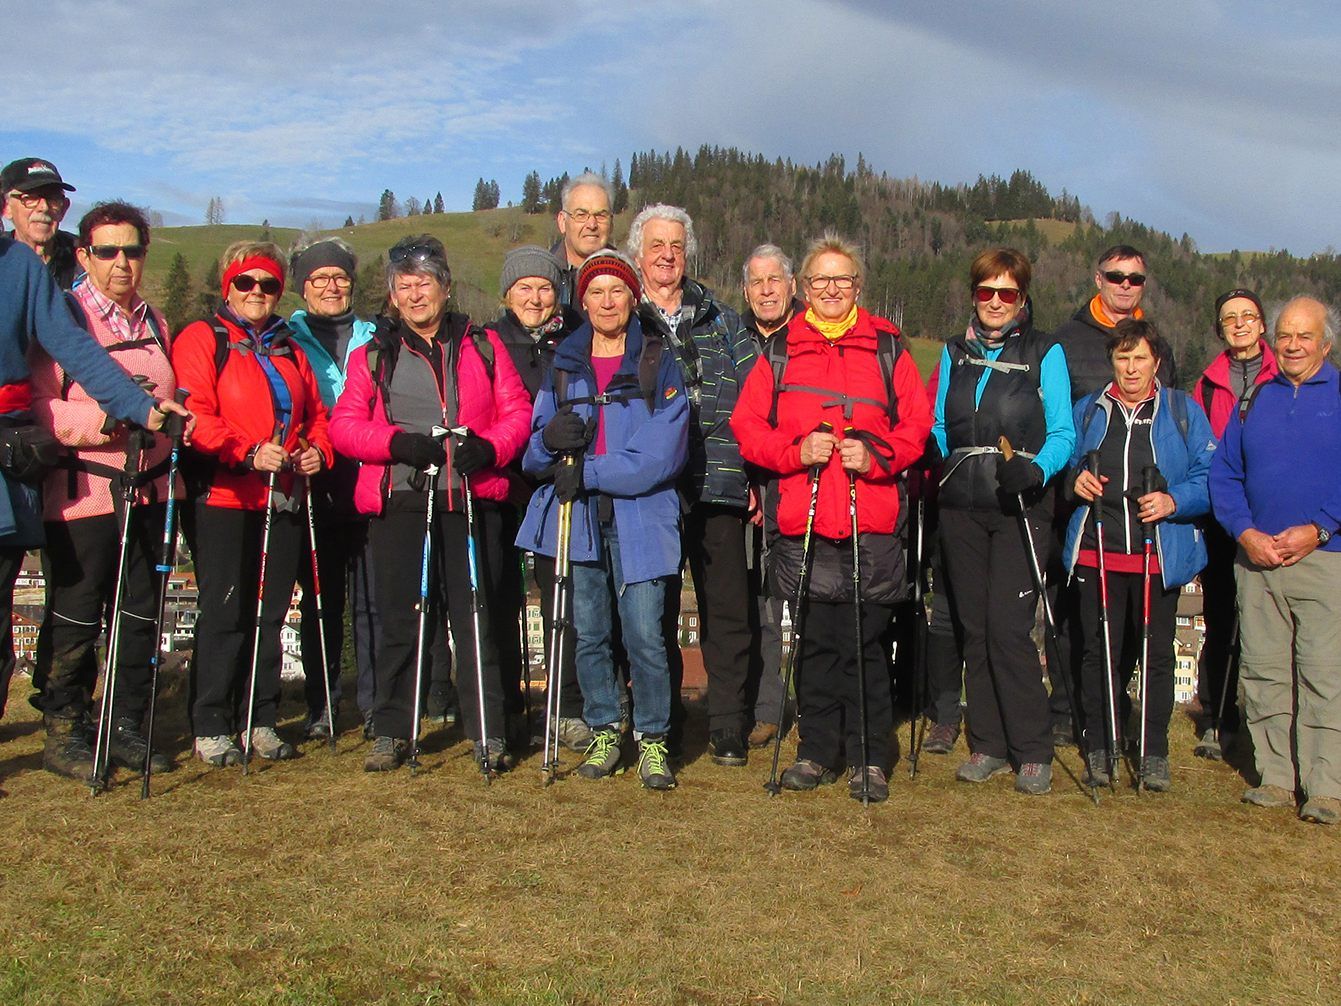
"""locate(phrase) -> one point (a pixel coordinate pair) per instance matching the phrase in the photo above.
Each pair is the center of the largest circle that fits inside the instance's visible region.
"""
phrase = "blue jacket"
(644, 453)
(32, 306)
(1183, 462)
(1281, 466)
(330, 373)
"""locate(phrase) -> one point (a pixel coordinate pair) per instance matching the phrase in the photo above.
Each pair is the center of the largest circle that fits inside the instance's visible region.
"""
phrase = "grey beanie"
(528, 260)
(318, 256)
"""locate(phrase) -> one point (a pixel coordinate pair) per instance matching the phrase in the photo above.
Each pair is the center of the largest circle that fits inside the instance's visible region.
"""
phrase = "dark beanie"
(1221, 300)
(608, 263)
(319, 256)
(528, 260)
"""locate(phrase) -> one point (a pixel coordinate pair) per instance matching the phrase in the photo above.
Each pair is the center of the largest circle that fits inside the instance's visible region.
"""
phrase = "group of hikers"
(618, 421)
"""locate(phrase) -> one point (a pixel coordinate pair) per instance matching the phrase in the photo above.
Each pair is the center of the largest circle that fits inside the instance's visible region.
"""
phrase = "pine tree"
(437, 204)
(177, 294)
(621, 190)
(214, 211)
(208, 299)
(481, 196)
(349, 221)
(530, 201)
(387, 207)
(427, 206)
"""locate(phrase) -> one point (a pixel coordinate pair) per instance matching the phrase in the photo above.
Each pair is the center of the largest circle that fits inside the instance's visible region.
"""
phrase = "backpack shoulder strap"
(1246, 402)
(775, 350)
(649, 366)
(221, 342)
(81, 319)
(1207, 392)
(1178, 402)
(1088, 417)
(887, 351)
(485, 348)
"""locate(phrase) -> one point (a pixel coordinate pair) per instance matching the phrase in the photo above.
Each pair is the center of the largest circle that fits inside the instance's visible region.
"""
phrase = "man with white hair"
(1276, 488)
(584, 223)
(714, 351)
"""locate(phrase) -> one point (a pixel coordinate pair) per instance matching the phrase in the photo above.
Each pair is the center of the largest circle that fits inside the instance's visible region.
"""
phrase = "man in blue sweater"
(1276, 488)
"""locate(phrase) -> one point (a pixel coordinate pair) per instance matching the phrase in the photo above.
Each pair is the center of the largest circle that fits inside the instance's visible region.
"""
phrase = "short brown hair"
(1131, 332)
(1001, 261)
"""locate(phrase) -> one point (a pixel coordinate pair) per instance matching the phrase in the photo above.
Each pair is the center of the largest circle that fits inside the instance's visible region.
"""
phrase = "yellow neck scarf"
(832, 330)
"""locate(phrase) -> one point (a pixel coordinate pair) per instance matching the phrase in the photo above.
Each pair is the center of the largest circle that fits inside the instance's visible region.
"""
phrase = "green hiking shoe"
(602, 755)
(654, 763)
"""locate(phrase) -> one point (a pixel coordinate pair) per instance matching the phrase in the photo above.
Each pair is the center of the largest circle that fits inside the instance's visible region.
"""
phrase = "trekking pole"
(316, 596)
(798, 607)
(476, 621)
(558, 629)
(920, 683)
(1049, 623)
(857, 626)
(1110, 683)
(422, 646)
(136, 443)
(1149, 475)
(1231, 669)
(260, 604)
(174, 426)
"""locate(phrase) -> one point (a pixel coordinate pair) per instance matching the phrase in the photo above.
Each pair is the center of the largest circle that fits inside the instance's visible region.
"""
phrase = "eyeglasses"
(1116, 278)
(582, 216)
(823, 282)
(416, 253)
(1242, 318)
(341, 282)
(31, 199)
(109, 252)
(245, 284)
(1006, 294)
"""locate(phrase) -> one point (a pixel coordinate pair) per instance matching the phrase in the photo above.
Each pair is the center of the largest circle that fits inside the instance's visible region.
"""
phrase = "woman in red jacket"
(844, 367)
(427, 367)
(258, 417)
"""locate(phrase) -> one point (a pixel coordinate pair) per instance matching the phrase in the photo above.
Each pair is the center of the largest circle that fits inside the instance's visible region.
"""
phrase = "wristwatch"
(1324, 536)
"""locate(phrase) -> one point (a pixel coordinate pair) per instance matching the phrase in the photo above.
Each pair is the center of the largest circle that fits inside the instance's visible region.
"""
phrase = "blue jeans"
(640, 609)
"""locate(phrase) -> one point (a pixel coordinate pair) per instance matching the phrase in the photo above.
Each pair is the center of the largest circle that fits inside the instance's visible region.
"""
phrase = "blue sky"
(1215, 119)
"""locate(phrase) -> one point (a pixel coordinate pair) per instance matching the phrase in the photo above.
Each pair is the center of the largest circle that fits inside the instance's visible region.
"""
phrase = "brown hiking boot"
(66, 750)
(762, 735)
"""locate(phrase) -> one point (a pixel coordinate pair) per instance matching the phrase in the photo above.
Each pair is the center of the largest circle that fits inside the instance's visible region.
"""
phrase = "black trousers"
(337, 542)
(570, 693)
(397, 540)
(827, 685)
(1124, 625)
(509, 603)
(714, 543)
(1070, 631)
(227, 559)
(945, 664)
(993, 602)
(1218, 675)
(11, 561)
(80, 563)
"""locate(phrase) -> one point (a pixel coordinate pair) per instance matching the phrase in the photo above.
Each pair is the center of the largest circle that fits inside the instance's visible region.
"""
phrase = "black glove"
(1018, 475)
(566, 432)
(1158, 484)
(568, 479)
(472, 454)
(418, 450)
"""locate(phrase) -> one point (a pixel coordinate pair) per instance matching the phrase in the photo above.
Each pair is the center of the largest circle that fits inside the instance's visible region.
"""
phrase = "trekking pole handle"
(1149, 477)
(1007, 451)
(1092, 463)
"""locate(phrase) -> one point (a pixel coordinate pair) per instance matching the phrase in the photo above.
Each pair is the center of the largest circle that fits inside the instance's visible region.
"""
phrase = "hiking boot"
(270, 746)
(602, 755)
(66, 750)
(441, 708)
(805, 774)
(1063, 736)
(877, 786)
(574, 734)
(317, 728)
(218, 751)
(653, 762)
(128, 747)
(941, 738)
(727, 748)
(1321, 810)
(1096, 769)
(1155, 774)
(1209, 746)
(981, 767)
(1034, 778)
(1268, 796)
(387, 754)
(499, 759)
(762, 735)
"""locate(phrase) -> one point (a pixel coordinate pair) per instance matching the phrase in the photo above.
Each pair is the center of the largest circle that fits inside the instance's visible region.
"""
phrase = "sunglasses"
(108, 253)
(1007, 294)
(415, 253)
(1116, 278)
(269, 286)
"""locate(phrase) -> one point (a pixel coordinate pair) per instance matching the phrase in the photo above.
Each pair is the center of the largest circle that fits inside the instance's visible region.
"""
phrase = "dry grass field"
(309, 882)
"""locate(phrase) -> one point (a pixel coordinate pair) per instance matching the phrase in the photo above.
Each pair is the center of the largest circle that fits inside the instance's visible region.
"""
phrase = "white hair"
(660, 211)
(1331, 319)
(587, 178)
(766, 250)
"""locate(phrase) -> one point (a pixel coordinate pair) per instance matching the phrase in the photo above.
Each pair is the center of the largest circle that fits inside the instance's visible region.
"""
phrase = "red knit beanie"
(608, 263)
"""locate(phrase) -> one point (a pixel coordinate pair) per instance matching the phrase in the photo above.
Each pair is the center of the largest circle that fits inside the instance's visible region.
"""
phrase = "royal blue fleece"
(1281, 467)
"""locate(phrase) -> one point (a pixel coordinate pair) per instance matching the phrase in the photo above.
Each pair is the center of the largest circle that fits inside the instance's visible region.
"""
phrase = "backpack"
(887, 353)
(649, 365)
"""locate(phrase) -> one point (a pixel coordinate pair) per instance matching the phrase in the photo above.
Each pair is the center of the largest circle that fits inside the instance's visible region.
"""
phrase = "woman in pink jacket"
(80, 504)
(428, 368)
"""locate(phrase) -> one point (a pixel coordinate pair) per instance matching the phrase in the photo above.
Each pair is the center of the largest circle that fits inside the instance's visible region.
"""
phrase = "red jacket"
(848, 365)
(235, 410)
(499, 412)
(1216, 379)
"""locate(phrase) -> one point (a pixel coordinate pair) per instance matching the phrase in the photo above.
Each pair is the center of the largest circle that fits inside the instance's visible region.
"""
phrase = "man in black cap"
(35, 202)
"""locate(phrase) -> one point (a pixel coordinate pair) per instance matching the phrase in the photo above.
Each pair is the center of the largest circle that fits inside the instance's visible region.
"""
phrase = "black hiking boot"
(66, 750)
(128, 746)
(727, 748)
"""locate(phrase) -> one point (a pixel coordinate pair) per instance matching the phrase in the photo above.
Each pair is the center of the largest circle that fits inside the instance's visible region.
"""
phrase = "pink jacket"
(500, 413)
(76, 420)
(1215, 381)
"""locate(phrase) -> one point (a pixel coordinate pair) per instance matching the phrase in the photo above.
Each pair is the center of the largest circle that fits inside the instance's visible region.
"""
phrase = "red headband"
(264, 262)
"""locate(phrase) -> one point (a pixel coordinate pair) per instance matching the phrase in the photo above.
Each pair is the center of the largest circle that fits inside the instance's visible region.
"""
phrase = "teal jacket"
(330, 372)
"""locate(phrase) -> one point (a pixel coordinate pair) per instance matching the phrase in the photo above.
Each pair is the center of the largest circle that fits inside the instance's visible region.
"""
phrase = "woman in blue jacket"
(617, 407)
(1132, 425)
